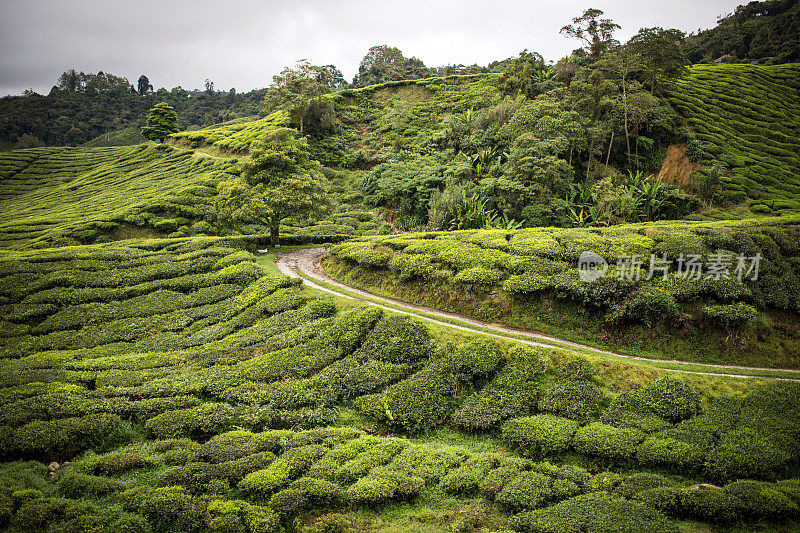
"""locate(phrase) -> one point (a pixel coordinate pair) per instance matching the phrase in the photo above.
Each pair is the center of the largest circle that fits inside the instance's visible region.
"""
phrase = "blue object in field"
(277, 246)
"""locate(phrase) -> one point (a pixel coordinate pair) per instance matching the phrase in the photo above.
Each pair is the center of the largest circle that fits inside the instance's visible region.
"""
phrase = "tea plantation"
(177, 385)
(747, 119)
(529, 279)
(70, 196)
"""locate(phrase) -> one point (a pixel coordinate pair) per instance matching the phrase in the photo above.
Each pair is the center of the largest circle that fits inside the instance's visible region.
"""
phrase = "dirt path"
(307, 262)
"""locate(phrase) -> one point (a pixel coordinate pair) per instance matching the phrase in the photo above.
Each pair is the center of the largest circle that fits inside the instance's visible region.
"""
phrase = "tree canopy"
(299, 91)
(595, 32)
(387, 63)
(161, 121)
(278, 180)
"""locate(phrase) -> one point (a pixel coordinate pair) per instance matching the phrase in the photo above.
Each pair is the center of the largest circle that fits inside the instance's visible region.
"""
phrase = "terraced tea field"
(529, 279)
(747, 118)
(180, 386)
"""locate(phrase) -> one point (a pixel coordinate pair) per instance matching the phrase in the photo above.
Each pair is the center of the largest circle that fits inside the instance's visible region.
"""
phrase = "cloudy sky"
(243, 43)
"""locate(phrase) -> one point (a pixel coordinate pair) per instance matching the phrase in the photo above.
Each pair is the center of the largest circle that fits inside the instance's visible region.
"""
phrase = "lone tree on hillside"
(161, 121)
(300, 91)
(597, 34)
(277, 181)
(144, 85)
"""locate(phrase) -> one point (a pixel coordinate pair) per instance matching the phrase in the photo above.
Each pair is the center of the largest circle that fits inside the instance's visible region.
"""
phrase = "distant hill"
(757, 31)
(123, 137)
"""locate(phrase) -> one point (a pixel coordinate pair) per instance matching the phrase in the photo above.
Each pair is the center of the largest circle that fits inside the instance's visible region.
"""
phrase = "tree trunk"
(608, 156)
(274, 236)
(625, 109)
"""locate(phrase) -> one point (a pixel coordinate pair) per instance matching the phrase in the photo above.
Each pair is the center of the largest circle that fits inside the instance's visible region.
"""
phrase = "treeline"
(82, 106)
(767, 32)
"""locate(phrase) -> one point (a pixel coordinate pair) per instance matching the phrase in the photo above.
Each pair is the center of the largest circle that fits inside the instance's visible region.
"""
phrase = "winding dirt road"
(307, 261)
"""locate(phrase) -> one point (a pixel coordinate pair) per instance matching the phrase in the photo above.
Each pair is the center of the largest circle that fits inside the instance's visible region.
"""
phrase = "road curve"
(308, 262)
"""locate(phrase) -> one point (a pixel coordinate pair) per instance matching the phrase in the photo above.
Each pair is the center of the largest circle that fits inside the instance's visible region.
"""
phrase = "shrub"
(479, 276)
(745, 453)
(576, 400)
(633, 484)
(539, 435)
(398, 339)
(607, 441)
(305, 493)
(528, 490)
(467, 478)
(383, 484)
(709, 505)
(667, 451)
(237, 444)
(167, 508)
(593, 513)
(478, 358)
(672, 399)
(730, 316)
(76, 485)
(197, 422)
(761, 500)
(650, 304)
(288, 466)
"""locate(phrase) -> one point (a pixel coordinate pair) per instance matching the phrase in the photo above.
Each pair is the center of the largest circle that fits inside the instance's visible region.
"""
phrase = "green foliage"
(607, 441)
(577, 400)
(279, 180)
(593, 513)
(539, 435)
(161, 121)
(730, 316)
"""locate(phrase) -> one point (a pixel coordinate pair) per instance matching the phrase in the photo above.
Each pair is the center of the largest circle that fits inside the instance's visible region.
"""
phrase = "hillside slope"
(376, 122)
(748, 118)
(529, 279)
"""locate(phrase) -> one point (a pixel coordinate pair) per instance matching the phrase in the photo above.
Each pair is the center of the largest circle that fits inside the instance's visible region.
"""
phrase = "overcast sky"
(242, 43)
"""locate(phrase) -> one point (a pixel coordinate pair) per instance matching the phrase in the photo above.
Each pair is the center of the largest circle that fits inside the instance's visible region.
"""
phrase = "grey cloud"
(242, 44)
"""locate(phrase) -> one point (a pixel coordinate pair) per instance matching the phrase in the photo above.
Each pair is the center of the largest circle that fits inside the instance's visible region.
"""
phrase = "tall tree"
(143, 86)
(278, 180)
(70, 81)
(595, 32)
(299, 91)
(387, 63)
(161, 121)
(662, 53)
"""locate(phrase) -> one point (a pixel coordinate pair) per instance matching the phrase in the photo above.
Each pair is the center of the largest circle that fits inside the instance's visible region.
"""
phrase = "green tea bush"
(468, 477)
(666, 451)
(202, 421)
(398, 339)
(479, 277)
(383, 484)
(746, 453)
(730, 316)
(306, 493)
(76, 485)
(640, 482)
(761, 500)
(601, 440)
(577, 400)
(539, 435)
(528, 490)
(288, 466)
(709, 506)
(593, 513)
(237, 444)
